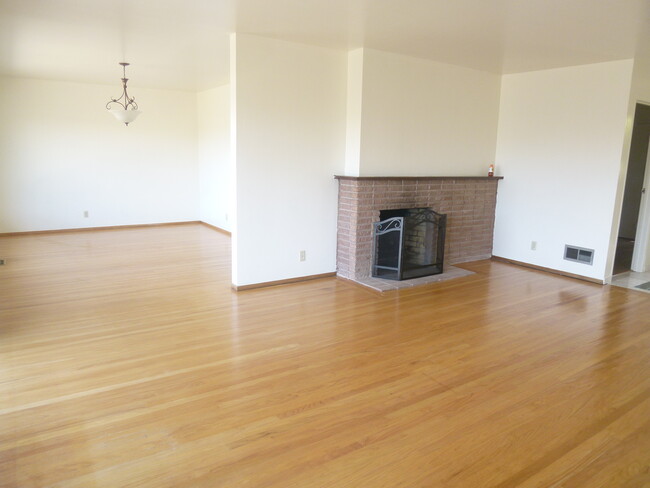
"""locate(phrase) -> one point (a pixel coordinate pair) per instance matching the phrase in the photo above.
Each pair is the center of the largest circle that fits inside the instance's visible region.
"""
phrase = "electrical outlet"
(533, 245)
(86, 214)
(303, 255)
(226, 216)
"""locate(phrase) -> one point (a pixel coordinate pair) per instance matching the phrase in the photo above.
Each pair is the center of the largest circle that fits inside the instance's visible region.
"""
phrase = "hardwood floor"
(127, 361)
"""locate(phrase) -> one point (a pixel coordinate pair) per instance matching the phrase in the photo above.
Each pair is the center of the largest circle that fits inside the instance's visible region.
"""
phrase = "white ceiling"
(184, 44)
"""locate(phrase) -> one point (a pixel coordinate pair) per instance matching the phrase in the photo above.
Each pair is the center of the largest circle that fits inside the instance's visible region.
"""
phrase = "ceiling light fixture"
(129, 111)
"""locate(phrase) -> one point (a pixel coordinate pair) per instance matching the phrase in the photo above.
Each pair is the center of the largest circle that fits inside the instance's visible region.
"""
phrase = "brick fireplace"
(469, 203)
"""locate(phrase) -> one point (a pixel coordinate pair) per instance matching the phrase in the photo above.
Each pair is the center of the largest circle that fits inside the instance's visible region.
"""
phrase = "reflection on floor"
(127, 360)
(632, 280)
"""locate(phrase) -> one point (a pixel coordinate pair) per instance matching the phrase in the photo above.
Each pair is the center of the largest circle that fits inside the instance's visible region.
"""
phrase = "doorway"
(631, 243)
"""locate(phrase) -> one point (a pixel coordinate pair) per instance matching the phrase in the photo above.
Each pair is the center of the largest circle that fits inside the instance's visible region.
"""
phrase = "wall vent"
(579, 254)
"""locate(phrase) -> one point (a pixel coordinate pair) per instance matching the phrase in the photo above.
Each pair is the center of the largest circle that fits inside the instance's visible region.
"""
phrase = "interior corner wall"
(234, 241)
(213, 110)
(424, 118)
(560, 139)
(61, 154)
(289, 133)
(354, 99)
(641, 79)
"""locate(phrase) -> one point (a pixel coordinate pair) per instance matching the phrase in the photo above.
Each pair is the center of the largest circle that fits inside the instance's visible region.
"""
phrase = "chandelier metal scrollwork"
(129, 111)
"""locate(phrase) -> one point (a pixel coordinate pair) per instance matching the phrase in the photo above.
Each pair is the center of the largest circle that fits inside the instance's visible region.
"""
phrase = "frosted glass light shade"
(125, 116)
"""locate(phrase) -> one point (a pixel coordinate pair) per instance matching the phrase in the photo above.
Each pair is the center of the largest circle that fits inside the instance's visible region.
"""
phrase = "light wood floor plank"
(126, 360)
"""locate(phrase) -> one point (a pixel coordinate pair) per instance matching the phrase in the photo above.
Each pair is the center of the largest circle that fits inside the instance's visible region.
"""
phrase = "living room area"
(185, 300)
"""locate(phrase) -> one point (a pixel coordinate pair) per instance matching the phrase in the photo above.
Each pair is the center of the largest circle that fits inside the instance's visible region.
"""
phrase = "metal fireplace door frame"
(389, 227)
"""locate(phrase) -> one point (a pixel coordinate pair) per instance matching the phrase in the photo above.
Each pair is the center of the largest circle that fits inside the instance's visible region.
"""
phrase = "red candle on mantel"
(491, 170)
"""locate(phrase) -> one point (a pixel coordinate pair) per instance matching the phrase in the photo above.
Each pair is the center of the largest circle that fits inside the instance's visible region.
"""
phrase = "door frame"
(642, 240)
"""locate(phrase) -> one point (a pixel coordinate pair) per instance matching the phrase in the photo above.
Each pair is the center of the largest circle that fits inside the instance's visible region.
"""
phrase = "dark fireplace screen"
(408, 243)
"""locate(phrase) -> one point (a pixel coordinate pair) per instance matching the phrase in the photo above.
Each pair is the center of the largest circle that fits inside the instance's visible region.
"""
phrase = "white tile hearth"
(631, 280)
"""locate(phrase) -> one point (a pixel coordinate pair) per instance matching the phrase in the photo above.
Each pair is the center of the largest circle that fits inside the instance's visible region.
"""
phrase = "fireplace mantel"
(384, 178)
(468, 201)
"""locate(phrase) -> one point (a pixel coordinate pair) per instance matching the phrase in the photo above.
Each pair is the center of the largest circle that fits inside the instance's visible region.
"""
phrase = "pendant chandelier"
(129, 109)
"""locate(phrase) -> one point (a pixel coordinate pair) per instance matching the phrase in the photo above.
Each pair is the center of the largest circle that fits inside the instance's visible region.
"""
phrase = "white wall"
(290, 102)
(213, 110)
(354, 112)
(62, 153)
(560, 140)
(424, 118)
(234, 242)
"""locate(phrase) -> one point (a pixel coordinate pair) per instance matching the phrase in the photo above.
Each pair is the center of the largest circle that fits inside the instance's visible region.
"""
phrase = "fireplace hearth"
(408, 243)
